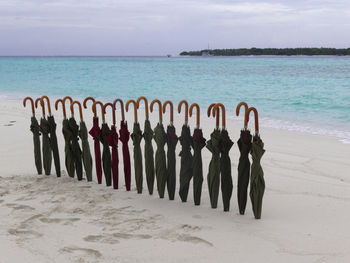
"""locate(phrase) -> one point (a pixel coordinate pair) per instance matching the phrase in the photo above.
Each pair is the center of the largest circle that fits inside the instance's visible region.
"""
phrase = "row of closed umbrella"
(161, 166)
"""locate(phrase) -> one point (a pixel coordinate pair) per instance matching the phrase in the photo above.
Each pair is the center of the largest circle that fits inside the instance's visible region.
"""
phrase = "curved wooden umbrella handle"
(63, 107)
(223, 113)
(215, 113)
(210, 109)
(245, 112)
(121, 107)
(86, 100)
(135, 108)
(47, 102)
(80, 109)
(95, 112)
(146, 105)
(41, 104)
(113, 111)
(160, 109)
(198, 120)
(32, 104)
(168, 102)
(186, 109)
(256, 119)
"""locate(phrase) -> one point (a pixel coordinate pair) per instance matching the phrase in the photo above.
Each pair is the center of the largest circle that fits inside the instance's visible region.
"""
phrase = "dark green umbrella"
(136, 137)
(160, 161)
(186, 169)
(35, 129)
(257, 182)
(106, 153)
(77, 154)
(171, 140)
(197, 144)
(148, 136)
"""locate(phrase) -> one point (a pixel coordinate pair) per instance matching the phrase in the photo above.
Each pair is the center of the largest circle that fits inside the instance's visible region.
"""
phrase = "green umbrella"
(87, 158)
(186, 170)
(136, 137)
(149, 159)
(225, 169)
(160, 161)
(35, 129)
(54, 145)
(198, 145)
(47, 154)
(69, 160)
(106, 154)
(172, 140)
(77, 155)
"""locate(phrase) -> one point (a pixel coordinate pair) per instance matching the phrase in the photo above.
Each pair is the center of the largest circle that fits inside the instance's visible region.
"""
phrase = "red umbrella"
(112, 140)
(124, 136)
(94, 132)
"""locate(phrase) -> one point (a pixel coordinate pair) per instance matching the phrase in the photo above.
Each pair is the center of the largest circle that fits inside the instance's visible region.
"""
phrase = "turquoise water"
(309, 94)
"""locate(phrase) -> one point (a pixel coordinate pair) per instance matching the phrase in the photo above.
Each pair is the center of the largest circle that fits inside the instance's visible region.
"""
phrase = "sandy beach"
(305, 218)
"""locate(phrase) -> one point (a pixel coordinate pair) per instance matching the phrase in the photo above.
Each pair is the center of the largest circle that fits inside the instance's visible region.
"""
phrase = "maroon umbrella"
(124, 136)
(94, 132)
(112, 140)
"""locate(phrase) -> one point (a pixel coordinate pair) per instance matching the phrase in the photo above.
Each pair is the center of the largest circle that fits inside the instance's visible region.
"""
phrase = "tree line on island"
(270, 52)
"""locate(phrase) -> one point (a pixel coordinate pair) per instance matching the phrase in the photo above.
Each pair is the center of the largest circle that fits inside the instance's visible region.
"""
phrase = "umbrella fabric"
(35, 129)
(86, 155)
(76, 148)
(160, 161)
(67, 134)
(186, 170)
(112, 140)
(54, 145)
(124, 136)
(213, 177)
(47, 155)
(95, 132)
(171, 140)
(136, 137)
(225, 169)
(244, 144)
(198, 145)
(149, 159)
(257, 182)
(106, 154)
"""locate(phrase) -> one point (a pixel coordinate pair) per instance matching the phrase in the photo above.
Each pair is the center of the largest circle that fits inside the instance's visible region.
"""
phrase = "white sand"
(306, 211)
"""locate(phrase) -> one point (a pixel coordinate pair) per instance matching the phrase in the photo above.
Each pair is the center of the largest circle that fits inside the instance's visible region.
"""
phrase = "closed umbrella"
(106, 153)
(148, 136)
(225, 161)
(213, 145)
(45, 131)
(124, 136)
(186, 170)
(67, 134)
(136, 137)
(112, 140)
(198, 143)
(95, 132)
(160, 161)
(257, 182)
(171, 140)
(244, 144)
(53, 137)
(83, 134)
(35, 129)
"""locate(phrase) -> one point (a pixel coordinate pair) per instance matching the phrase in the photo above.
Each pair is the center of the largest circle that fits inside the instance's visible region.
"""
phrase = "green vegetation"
(271, 52)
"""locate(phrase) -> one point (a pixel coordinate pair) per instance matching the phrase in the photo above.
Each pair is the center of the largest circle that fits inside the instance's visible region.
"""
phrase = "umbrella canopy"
(77, 154)
(160, 161)
(69, 160)
(186, 170)
(136, 137)
(244, 144)
(106, 154)
(35, 129)
(148, 136)
(95, 132)
(198, 143)
(171, 140)
(257, 182)
(213, 178)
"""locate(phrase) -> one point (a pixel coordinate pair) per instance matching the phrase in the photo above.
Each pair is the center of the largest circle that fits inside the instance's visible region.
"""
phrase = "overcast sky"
(159, 27)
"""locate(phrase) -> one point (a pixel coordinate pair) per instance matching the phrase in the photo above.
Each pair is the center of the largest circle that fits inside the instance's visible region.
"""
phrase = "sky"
(160, 27)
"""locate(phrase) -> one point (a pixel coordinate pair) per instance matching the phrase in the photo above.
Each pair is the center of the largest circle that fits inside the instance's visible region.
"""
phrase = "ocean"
(304, 94)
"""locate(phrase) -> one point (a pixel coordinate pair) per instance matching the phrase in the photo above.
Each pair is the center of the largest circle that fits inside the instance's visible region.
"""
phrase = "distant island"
(270, 52)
